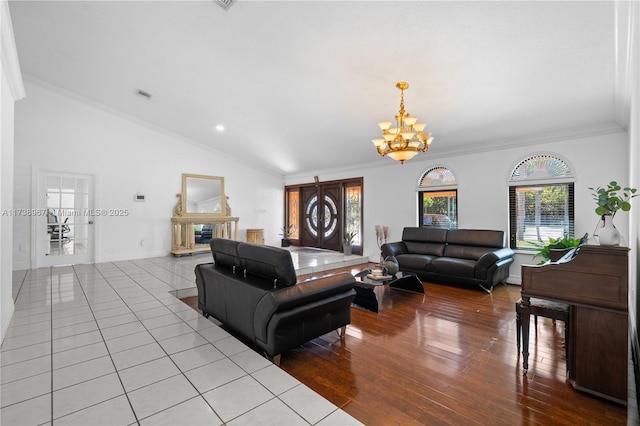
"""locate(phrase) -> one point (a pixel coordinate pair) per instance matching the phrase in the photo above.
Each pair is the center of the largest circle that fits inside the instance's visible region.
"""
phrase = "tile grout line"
(154, 338)
(275, 396)
(76, 277)
(227, 357)
(138, 274)
(158, 343)
(167, 354)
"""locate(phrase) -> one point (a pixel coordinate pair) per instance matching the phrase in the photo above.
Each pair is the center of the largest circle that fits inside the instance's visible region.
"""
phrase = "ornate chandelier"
(406, 139)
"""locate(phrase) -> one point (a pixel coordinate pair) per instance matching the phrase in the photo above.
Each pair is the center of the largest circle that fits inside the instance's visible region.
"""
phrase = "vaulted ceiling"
(300, 85)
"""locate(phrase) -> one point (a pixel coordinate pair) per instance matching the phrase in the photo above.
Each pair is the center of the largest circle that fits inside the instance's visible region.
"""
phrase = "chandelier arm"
(401, 103)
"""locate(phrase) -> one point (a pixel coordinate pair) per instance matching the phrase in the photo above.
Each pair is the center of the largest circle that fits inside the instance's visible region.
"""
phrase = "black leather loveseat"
(460, 256)
(252, 289)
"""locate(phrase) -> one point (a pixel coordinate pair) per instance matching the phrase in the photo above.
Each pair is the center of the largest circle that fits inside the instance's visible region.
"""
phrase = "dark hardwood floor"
(446, 357)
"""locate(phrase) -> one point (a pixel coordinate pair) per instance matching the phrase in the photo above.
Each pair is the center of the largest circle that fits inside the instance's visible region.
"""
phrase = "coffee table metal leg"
(366, 298)
(409, 283)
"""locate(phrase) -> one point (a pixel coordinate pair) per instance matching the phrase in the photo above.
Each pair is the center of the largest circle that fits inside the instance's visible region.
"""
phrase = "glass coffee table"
(365, 284)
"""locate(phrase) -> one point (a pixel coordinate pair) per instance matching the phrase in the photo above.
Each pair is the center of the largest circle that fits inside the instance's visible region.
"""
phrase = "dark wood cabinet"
(594, 282)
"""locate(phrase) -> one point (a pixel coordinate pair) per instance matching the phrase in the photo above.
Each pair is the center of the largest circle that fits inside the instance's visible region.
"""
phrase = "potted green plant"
(556, 249)
(286, 235)
(613, 198)
(347, 242)
(609, 200)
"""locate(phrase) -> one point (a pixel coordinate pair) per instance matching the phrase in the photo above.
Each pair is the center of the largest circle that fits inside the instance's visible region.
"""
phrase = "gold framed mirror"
(203, 195)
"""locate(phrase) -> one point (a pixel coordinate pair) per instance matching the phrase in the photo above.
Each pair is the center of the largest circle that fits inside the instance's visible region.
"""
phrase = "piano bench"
(544, 308)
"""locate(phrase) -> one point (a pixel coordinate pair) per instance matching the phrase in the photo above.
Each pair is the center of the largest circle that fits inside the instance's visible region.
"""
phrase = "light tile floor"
(110, 344)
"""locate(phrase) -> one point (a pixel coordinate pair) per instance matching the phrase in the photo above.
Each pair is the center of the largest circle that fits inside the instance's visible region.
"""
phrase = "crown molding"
(10, 62)
(478, 147)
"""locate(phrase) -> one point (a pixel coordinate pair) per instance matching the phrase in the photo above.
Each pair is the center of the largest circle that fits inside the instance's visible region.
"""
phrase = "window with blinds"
(541, 202)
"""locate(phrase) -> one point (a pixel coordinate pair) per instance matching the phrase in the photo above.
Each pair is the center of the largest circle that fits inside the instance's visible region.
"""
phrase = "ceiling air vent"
(144, 94)
(225, 4)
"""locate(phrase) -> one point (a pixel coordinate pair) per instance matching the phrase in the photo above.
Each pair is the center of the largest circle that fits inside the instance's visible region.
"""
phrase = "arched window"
(540, 201)
(438, 198)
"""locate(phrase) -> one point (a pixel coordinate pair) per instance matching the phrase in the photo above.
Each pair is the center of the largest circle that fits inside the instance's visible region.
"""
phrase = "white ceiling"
(300, 85)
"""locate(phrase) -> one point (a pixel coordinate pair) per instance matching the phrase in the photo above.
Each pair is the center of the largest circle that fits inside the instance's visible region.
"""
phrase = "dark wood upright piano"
(593, 280)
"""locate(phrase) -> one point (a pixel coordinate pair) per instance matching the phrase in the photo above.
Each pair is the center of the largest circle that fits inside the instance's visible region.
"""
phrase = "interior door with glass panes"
(322, 217)
(64, 230)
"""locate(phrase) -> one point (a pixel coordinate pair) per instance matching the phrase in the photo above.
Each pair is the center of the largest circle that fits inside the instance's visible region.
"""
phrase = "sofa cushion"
(268, 262)
(472, 243)
(415, 262)
(454, 267)
(466, 252)
(225, 253)
(432, 235)
(425, 248)
(476, 237)
(425, 240)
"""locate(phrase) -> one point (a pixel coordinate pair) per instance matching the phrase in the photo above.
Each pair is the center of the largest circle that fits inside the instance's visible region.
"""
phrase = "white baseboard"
(117, 257)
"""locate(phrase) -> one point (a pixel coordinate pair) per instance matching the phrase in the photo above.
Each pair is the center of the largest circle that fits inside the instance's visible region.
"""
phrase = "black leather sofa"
(204, 235)
(253, 291)
(460, 256)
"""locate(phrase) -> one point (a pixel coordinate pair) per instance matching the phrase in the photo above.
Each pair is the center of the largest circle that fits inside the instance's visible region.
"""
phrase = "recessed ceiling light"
(220, 128)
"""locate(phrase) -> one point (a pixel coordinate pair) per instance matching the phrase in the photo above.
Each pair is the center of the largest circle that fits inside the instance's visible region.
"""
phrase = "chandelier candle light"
(406, 139)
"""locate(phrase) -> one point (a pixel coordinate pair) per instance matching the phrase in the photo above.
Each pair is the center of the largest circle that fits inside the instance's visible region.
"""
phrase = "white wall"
(629, 43)
(11, 89)
(390, 191)
(57, 132)
(54, 131)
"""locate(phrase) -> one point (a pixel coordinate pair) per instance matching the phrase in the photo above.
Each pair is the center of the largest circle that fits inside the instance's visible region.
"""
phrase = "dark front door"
(322, 219)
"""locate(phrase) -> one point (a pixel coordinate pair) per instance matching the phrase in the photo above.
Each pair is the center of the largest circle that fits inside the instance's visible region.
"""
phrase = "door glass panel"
(68, 218)
(312, 216)
(330, 216)
(353, 212)
(294, 213)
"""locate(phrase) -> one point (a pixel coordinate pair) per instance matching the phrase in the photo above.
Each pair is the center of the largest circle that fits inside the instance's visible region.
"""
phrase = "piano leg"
(518, 325)
(525, 316)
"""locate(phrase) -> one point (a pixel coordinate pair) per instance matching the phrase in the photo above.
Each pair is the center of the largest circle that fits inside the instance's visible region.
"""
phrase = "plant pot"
(347, 250)
(285, 242)
(608, 235)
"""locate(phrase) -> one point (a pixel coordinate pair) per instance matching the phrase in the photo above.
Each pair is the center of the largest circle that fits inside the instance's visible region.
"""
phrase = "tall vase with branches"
(382, 236)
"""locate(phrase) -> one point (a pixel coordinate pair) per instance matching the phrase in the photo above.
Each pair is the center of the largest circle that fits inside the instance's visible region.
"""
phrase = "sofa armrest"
(490, 260)
(200, 271)
(297, 295)
(393, 249)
